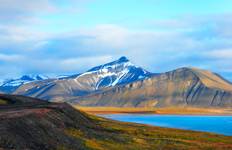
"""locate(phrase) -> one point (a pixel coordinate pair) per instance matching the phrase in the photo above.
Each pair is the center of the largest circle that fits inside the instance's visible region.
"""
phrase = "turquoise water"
(216, 124)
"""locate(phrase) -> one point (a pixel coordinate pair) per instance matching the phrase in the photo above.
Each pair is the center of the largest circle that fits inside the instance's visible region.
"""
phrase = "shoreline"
(158, 111)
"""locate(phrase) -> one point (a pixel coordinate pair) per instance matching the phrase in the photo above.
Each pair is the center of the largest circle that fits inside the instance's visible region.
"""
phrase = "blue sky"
(56, 37)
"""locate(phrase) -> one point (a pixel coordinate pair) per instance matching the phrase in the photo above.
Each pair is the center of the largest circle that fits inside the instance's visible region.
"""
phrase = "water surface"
(215, 124)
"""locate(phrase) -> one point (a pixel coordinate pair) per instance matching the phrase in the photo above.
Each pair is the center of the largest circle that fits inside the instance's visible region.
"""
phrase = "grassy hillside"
(51, 126)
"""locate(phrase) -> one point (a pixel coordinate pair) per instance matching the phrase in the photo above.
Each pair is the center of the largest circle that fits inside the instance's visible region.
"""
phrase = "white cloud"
(83, 63)
(221, 54)
(180, 42)
(16, 11)
(107, 35)
(10, 58)
(19, 34)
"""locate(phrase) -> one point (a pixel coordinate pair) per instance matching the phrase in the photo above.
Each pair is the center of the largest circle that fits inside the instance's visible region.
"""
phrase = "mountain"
(181, 87)
(119, 72)
(28, 123)
(122, 84)
(10, 85)
(115, 73)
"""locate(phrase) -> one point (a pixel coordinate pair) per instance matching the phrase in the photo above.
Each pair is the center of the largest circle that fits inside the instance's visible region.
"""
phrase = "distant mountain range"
(123, 84)
(10, 85)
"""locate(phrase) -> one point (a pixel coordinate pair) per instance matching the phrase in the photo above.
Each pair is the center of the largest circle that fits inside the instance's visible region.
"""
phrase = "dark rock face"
(182, 87)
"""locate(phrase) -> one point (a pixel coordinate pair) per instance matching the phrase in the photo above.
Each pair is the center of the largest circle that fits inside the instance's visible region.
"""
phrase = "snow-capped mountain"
(118, 72)
(123, 84)
(9, 85)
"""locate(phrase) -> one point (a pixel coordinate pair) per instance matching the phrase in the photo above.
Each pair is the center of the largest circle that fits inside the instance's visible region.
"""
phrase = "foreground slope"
(182, 87)
(31, 124)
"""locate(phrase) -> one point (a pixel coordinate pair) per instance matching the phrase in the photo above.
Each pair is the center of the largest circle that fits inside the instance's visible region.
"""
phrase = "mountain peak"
(11, 84)
(117, 72)
(208, 78)
(123, 59)
(33, 77)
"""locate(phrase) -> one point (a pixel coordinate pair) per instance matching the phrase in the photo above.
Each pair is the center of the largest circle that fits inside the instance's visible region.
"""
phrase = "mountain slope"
(212, 80)
(51, 126)
(118, 72)
(122, 84)
(10, 85)
(181, 87)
